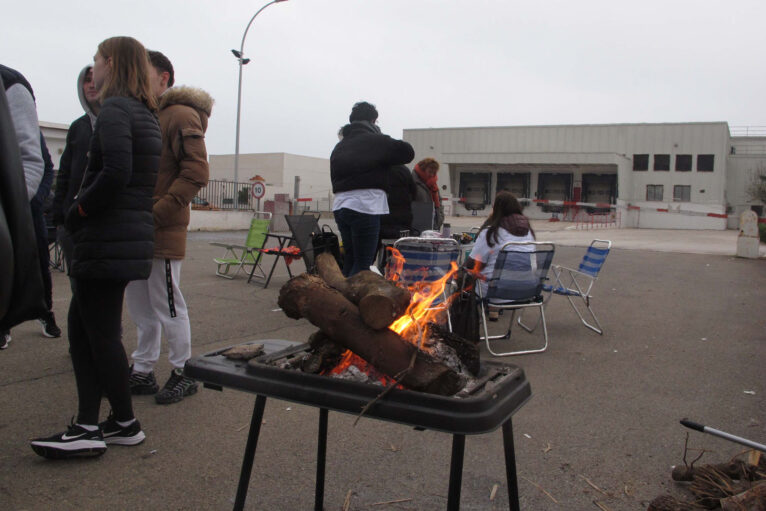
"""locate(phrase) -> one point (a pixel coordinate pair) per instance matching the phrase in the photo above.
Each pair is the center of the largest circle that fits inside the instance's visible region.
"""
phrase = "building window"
(654, 193)
(683, 162)
(682, 193)
(640, 162)
(661, 162)
(705, 162)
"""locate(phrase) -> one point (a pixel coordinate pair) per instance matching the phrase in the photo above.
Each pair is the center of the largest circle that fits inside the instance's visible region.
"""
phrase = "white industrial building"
(300, 177)
(666, 175)
(670, 175)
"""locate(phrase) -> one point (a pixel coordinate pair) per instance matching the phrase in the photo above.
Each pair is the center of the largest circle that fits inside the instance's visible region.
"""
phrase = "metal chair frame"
(535, 300)
(580, 282)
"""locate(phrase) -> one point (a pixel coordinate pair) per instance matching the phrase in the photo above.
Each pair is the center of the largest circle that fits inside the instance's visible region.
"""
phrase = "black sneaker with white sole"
(142, 383)
(76, 441)
(176, 388)
(114, 434)
(50, 328)
(5, 339)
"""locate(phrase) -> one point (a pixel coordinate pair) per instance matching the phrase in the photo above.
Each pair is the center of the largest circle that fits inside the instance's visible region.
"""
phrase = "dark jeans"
(359, 233)
(98, 357)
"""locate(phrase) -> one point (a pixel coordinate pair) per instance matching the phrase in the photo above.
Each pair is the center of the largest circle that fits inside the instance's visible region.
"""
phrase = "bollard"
(748, 241)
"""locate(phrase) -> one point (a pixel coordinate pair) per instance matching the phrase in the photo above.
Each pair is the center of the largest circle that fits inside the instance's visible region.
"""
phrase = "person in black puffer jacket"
(112, 229)
(360, 168)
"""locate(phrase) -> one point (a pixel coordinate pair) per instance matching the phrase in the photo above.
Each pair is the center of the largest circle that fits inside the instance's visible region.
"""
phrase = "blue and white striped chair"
(577, 284)
(426, 260)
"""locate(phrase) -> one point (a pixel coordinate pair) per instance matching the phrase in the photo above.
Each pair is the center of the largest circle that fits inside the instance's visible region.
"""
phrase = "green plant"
(762, 232)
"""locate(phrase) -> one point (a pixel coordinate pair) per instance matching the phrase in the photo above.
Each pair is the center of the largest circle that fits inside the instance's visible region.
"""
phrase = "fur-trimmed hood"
(189, 96)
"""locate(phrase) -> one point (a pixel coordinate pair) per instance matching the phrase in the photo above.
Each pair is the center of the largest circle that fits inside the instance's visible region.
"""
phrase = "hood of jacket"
(516, 224)
(359, 127)
(189, 96)
(81, 95)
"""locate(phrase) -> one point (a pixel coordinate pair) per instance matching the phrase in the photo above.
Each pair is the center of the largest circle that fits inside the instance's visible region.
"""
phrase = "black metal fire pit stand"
(504, 390)
(455, 473)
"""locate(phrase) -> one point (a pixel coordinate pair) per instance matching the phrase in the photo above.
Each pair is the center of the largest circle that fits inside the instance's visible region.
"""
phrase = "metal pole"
(728, 436)
(239, 102)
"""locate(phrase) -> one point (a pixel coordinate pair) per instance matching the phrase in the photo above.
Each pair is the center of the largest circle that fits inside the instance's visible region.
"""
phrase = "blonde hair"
(130, 70)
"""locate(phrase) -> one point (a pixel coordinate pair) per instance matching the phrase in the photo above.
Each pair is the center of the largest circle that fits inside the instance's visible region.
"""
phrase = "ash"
(352, 373)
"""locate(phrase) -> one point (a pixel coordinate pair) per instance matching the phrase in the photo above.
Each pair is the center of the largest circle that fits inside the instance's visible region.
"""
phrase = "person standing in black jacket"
(360, 168)
(75, 158)
(400, 196)
(113, 231)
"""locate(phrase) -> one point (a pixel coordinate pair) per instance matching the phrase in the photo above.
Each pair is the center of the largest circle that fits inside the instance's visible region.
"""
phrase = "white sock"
(126, 423)
(88, 427)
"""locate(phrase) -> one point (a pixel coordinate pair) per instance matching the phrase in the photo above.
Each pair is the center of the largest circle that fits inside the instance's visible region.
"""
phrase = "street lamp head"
(237, 53)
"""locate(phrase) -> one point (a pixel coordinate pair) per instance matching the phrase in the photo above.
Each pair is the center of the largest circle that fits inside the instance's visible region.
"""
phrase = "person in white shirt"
(505, 223)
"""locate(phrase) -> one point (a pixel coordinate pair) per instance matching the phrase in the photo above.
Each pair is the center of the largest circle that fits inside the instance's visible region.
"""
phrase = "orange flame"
(422, 308)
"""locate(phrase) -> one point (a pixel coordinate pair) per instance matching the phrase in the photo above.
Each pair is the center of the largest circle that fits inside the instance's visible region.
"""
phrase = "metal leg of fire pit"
(510, 466)
(456, 472)
(252, 443)
(321, 456)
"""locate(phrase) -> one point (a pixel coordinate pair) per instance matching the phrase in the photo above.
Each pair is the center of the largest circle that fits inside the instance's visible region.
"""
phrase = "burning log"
(307, 296)
(380, 302)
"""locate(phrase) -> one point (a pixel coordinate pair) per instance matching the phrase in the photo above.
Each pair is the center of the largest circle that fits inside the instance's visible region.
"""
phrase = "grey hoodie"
(81, 96)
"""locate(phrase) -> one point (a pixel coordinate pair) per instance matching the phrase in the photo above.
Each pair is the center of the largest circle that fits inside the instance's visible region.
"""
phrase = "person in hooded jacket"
(360, 168)
(156, 304)
(74, 159)
(112, 229)
(400, 196)
(505, 223)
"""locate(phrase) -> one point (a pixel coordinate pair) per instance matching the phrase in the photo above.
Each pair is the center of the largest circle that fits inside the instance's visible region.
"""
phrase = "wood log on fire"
(308, 296)
(380, 301)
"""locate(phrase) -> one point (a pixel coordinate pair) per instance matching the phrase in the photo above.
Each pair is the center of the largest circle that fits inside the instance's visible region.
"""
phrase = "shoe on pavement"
(76, 441)
(5, 339)
(142, 383)
(114, 434)
(494, 314)
(50, 328)
(177, 387)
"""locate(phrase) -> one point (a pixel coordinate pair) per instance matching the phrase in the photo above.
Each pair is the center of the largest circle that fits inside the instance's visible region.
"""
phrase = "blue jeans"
(359, 232)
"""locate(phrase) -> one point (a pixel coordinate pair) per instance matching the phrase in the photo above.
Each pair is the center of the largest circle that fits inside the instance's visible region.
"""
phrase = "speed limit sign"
(258, 189)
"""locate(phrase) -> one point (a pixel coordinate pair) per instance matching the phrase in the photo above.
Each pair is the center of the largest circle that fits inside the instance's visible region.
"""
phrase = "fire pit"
(485, 405)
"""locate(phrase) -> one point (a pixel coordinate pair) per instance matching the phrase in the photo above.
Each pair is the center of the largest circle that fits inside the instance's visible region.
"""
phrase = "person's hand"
(74, 218)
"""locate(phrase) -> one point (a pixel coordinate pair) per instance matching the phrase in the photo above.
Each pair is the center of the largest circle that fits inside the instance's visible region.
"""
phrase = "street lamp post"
(242, 61)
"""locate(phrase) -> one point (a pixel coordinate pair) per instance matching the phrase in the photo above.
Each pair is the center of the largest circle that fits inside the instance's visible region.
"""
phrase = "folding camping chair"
(303, 227)
(577, 284)
(426, 261)
(247, 255)
(516, 284)
(56, 254)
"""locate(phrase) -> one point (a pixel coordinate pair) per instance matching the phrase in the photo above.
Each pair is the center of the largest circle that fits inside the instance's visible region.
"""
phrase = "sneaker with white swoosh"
(74, 442)
(114, 434)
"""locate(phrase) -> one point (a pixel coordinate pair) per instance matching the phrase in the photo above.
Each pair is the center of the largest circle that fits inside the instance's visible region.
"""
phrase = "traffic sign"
(258, 190)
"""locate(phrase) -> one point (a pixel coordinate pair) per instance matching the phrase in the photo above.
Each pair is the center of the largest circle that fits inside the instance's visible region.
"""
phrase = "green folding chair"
(248, 256)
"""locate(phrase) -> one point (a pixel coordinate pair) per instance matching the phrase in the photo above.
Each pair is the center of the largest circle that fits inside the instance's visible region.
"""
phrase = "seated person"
(505, 223)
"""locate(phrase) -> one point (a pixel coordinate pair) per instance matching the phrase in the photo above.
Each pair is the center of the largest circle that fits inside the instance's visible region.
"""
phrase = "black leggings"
(98, 357)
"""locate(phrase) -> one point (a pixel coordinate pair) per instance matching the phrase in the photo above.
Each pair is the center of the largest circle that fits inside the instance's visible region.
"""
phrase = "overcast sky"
(424, 63)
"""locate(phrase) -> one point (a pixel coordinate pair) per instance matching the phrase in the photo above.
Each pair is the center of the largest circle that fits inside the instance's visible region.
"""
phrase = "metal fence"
(221, 195)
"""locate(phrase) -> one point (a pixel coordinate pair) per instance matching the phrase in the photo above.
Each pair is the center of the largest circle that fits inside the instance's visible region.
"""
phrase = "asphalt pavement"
(685, 336)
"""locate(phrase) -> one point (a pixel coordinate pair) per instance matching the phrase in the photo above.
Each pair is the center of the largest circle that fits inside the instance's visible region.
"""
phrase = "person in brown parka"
(157, 304)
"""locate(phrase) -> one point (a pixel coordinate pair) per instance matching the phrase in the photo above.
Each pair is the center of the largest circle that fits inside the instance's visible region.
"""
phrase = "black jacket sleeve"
(117, 154)
(62, 181)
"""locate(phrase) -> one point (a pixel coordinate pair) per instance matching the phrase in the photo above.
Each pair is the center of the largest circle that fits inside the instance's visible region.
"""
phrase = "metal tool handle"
(704, 429)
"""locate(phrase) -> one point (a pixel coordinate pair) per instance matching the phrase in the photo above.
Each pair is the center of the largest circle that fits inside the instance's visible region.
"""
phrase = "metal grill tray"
(503, 391)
